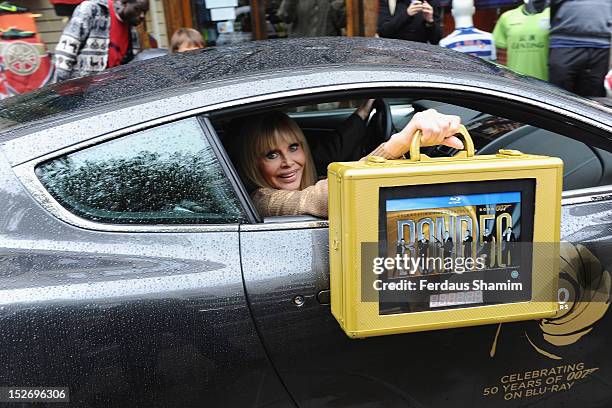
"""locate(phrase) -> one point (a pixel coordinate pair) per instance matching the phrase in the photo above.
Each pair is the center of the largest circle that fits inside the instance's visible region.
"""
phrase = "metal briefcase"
(433, 243)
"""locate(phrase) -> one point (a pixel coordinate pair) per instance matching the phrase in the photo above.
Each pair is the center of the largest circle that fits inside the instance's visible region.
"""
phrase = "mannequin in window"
(466, 38)
(521, 38)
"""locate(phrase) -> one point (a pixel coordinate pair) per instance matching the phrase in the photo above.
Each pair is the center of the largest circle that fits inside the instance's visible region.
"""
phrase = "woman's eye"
(271, 155)
(294, 147)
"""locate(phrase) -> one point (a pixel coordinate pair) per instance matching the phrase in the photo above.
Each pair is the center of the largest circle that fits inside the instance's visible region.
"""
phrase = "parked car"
(135, 271)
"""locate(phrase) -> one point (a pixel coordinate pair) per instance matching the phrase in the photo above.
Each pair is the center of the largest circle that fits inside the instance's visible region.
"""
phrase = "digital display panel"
(455, 245)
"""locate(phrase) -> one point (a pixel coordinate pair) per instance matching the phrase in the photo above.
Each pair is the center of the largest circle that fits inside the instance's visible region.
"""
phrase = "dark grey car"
(135, 271)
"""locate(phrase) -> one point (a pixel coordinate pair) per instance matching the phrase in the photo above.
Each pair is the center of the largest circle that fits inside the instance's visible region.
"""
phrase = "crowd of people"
(102, 34)
(563, 41)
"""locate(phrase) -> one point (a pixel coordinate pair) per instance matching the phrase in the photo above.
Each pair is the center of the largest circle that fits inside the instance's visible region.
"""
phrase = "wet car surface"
(135, 270)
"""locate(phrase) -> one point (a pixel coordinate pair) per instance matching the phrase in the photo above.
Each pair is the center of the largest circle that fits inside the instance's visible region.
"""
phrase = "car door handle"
(324, 297)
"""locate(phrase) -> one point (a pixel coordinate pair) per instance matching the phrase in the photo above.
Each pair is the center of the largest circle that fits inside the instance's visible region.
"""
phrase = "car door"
(562, 361)
(120, 275)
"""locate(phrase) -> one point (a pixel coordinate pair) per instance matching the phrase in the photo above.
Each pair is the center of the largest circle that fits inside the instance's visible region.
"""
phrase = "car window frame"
(357, 89)
(598, 154)
(457, 97)
(26, 173)
(230, 171)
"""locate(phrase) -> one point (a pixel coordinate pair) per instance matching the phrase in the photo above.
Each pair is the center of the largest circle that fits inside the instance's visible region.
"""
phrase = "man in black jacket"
(413, 20)
(579, 44)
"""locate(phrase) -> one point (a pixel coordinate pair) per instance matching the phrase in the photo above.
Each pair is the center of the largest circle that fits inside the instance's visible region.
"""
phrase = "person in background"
(466, 38)
(101, 34)
(186, 39)
(521, 38)
(313, 18)
(579, 44)
(413, 20)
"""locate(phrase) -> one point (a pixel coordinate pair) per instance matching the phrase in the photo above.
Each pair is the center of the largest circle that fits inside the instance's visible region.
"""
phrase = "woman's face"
(282, 167)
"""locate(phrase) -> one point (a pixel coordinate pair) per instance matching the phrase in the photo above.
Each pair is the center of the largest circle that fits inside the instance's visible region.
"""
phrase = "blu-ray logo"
(454, 200)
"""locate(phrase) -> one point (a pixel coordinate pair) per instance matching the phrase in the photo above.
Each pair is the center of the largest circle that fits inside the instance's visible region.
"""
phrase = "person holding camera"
(413, 20)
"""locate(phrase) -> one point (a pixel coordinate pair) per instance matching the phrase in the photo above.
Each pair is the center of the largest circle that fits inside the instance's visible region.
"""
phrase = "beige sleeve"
(311, 200)
(381, 152)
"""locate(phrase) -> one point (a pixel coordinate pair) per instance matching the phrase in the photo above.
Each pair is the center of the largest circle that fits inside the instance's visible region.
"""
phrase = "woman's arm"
(434, 30)
(349, 143)
(389, 25)
(311, 200)
(437, 129)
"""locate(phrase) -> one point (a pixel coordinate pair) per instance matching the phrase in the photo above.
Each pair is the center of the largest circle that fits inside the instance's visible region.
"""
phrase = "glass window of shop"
(231, 21)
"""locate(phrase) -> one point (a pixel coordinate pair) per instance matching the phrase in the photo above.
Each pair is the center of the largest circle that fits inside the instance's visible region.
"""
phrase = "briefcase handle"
(415, 146)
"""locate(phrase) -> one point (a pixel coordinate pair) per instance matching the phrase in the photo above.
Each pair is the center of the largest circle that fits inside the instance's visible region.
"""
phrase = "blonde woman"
(275, 160)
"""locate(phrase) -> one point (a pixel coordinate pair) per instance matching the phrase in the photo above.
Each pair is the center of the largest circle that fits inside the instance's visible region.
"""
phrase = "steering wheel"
(380, 126)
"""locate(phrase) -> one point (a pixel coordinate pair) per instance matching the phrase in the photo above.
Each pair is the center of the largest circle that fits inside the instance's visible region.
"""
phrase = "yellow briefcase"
(433, 243)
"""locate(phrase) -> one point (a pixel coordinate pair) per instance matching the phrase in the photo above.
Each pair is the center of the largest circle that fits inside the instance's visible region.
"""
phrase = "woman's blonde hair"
(186, 36)
(263, 134)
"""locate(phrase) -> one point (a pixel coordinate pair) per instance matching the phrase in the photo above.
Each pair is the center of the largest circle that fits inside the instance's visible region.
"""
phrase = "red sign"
(26, 65)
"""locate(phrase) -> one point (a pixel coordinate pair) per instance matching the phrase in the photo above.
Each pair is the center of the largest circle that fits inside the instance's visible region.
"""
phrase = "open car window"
(321, 122)
(584, 166)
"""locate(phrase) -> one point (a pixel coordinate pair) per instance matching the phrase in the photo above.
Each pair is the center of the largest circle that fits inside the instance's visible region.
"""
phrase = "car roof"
(167, 88)
(125, 84)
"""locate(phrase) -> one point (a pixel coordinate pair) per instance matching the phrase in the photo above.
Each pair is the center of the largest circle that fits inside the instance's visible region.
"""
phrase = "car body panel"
(321, 366)
(126, 319)
(61, 114)
(238, 315)
(214, 97)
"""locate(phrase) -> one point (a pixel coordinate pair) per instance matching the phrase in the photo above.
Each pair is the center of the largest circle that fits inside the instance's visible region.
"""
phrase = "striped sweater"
(83, 47)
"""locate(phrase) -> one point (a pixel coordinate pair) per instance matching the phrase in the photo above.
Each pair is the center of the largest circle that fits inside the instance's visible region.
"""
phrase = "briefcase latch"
(376, 160)
(509, 153)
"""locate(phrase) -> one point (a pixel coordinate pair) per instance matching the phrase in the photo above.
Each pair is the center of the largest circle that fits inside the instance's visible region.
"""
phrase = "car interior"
(584, 165)
(109, 182)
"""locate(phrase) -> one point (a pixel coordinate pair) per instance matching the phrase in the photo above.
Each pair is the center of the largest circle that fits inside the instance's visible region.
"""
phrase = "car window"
(584, 166)
(167, 174)
(330, 106)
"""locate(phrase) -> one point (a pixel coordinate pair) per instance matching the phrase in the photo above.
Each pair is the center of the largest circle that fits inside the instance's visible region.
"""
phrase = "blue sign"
(404, 204)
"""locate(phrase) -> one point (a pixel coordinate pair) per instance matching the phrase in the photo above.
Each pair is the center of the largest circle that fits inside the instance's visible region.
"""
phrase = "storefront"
(231, 21)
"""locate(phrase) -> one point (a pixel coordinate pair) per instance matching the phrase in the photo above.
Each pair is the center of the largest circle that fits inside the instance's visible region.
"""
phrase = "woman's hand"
(437, 129)
(428, 12)
(363, 111)
(415, 7)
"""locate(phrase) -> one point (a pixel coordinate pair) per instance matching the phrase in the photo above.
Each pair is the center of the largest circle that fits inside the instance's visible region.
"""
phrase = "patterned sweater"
(312, 200)
(83, 47)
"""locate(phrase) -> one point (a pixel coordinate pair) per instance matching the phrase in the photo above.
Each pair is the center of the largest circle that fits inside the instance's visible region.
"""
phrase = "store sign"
(211, 4)
(222, 14)
(27, 65)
